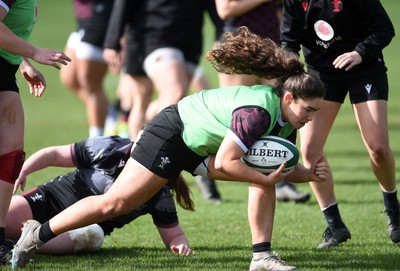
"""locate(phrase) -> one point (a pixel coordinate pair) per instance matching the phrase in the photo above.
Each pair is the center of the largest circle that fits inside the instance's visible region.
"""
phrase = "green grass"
(220, 235)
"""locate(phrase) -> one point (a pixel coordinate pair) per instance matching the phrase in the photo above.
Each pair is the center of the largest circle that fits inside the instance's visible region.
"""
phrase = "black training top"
(99, 161)
(329, 28)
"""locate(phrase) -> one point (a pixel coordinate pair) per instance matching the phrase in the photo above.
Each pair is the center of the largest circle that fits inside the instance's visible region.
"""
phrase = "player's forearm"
(14, 44)
(57, 156)
(39, 160)
(233, 8)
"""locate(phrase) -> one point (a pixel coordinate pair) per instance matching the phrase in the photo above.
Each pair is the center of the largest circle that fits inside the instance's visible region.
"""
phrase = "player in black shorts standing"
(84, 77)
(163, 42)
(98, 161)
(170, 33)
(342, 41)
(135, 88)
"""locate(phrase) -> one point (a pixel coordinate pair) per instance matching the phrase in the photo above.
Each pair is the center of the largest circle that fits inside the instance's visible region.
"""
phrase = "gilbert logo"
(164, 161)
(368, 88)
(265, 144)
(267, 152)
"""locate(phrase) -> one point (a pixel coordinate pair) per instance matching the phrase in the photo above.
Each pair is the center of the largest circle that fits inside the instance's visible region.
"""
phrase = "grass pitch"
(220, 234)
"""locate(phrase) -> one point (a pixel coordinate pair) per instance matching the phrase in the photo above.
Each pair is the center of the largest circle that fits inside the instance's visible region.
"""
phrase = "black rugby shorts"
(161, 148)
(364, 88)
(8, 82)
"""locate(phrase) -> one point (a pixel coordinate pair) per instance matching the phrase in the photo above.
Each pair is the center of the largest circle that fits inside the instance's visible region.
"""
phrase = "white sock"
(96, 131)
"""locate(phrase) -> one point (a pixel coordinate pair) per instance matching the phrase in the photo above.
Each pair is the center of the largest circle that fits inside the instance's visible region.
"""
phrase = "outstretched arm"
(57, 156)
(175, 239)
(16, 45)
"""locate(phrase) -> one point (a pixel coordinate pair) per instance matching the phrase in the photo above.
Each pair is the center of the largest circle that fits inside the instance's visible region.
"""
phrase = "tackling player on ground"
(98, 163)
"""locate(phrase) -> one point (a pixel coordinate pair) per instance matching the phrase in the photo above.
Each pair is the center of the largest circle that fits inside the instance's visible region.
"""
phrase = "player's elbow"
(220, 165)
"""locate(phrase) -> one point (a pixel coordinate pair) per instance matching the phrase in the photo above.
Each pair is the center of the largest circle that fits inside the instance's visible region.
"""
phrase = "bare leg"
(69, 76)
(171, 86)
(371, 117)
(261, 206)
(19, 212)
(11, 139)
(90, 75)
(134, 186)
(141, 91)
(313, 137)
(372, 120)
(261, 212)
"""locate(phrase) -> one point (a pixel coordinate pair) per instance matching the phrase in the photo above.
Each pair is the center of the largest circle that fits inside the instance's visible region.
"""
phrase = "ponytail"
(182, 192)
(244, 52)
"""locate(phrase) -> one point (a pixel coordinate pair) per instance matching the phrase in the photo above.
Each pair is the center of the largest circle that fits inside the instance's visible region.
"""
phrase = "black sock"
(2, 236)
(45, 233)
(390, 201)
(262, 247)
(332, 216)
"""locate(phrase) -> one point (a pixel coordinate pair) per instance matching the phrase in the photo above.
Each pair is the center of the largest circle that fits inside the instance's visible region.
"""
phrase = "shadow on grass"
(353, 257)
(145, 258)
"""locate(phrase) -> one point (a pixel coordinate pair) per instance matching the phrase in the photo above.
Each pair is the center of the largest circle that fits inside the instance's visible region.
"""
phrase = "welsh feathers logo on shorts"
(164, 162)
(324, 30)
(337, 5)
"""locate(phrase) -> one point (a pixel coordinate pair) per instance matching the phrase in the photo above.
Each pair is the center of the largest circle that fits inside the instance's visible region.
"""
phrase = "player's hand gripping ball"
(269, 152)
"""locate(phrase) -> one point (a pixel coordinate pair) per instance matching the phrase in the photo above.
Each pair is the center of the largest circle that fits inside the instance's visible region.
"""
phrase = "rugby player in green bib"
(207, 134)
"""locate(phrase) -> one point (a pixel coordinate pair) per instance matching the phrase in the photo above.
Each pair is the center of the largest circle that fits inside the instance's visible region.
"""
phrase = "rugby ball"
(269, 152)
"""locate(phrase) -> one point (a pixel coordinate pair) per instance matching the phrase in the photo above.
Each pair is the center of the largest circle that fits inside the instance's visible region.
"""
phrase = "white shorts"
(83, 49)
(161, 56)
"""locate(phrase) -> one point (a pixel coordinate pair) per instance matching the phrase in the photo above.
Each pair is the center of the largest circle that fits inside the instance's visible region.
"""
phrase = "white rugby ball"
(269, 152)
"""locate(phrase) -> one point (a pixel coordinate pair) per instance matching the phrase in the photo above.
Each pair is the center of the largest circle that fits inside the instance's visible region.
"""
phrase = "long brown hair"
(182, 192)
(244, 52)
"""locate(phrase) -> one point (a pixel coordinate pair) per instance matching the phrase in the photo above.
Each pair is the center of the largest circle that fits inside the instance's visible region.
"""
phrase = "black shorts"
(134, 57)
(8, 82)
(51, 198)
(363, 88)
(161, 148)
(96, 26)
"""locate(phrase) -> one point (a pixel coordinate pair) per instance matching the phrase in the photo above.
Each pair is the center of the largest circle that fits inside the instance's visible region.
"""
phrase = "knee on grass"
(87, 239)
